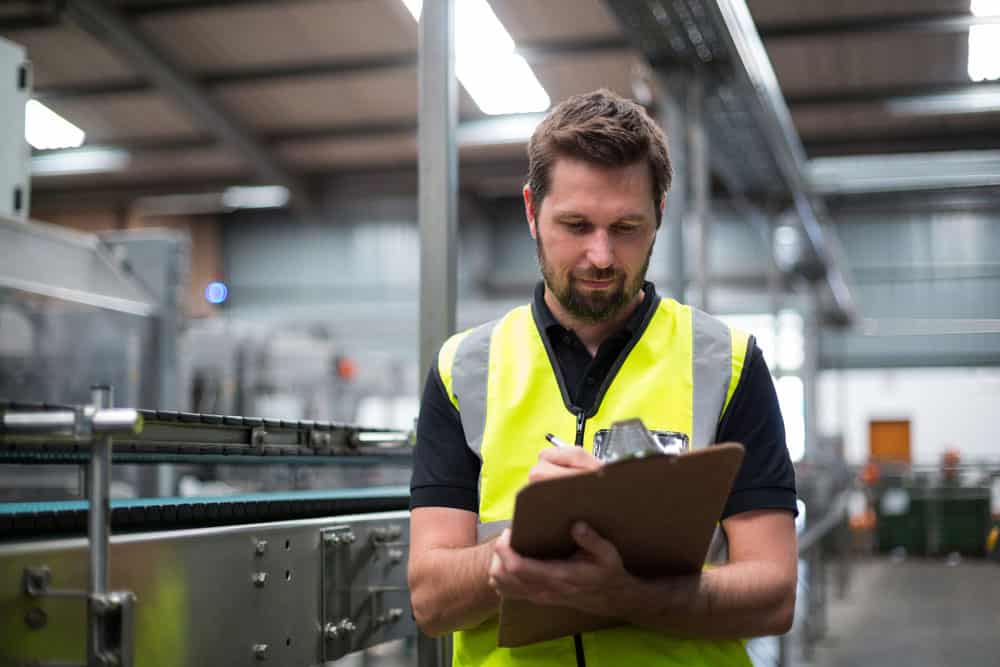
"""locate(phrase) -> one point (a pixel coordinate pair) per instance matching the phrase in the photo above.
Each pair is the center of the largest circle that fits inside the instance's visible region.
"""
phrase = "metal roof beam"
(907, 140)
(47, 13)
(108, 26)
(882, 94)
(859, 25)
(473, 130)
(534, 52)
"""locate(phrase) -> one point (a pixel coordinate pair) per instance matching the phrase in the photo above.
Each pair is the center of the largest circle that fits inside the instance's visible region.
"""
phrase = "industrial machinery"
(281, 541)
(290, 578)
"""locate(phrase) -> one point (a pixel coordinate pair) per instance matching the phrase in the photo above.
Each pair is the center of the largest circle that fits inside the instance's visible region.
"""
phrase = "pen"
(556, 441)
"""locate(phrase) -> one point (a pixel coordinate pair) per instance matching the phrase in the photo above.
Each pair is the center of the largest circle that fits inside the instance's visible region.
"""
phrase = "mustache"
(597, 274)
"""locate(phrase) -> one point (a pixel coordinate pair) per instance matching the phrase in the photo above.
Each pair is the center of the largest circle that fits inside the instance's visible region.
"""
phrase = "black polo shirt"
(446, 472)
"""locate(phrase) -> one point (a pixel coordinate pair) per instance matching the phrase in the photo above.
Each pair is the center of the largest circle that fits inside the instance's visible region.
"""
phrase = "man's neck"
(591, 334)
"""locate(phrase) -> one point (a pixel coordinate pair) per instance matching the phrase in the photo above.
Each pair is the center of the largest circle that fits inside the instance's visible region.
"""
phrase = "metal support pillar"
(99, 525)
(700, 186)
(438, 210)
(810, 373)
(673, 122)
(438, 180)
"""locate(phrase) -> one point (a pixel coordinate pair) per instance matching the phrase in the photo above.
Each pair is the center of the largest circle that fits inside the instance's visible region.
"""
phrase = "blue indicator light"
(216, 292)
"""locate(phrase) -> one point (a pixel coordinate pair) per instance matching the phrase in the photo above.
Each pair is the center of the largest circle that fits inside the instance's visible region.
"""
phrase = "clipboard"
(659, 511)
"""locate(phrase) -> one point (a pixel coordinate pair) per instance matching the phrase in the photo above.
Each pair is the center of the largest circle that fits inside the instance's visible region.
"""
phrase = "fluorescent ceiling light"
(984, 43)
(261, 196)
(45, 129)
(499, 80)
(79, 161)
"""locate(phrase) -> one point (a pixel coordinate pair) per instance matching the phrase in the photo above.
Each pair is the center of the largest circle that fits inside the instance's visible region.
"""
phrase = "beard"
(592, 306)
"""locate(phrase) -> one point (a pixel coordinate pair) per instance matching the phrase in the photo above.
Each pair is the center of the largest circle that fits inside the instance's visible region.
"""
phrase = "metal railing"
(811, 625)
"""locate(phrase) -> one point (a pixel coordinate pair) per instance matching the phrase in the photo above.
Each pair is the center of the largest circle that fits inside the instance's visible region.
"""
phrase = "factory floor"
(915, 612)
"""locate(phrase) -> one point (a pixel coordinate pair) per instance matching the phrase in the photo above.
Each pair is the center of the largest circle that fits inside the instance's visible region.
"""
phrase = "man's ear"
(529, 210)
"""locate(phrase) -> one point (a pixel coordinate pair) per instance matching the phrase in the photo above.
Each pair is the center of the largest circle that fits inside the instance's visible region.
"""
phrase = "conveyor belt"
(69, 517)
(177, 437)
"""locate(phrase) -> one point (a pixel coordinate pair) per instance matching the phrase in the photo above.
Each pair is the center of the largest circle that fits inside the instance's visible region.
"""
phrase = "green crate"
(961, 519)
(896, 528)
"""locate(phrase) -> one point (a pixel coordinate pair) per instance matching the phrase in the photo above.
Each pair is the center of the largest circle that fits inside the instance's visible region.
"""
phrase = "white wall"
(947, 408)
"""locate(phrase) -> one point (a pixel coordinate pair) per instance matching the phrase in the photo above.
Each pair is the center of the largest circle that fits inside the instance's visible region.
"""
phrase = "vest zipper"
(581, 422)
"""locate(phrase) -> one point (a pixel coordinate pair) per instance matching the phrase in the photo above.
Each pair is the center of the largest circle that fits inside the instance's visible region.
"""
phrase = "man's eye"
(625, 229)
(576, 227)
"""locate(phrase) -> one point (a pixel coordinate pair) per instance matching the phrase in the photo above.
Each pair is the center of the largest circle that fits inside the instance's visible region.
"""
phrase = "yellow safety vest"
(678, 376)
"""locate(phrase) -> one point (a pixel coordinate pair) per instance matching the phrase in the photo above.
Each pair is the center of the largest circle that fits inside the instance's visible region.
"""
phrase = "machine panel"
(286, 593)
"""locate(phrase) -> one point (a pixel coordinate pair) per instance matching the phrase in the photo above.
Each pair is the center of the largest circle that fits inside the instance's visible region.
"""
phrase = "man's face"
(594, 232)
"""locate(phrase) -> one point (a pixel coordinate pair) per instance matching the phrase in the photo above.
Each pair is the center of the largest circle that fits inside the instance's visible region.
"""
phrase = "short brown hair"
(602, 128)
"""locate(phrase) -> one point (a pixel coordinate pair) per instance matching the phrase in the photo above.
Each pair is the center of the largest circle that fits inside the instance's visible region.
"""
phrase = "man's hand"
(561, 462)
(591, 580)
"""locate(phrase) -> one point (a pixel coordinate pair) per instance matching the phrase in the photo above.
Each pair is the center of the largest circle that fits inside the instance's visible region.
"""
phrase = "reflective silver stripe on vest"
(712, 359)
(469, 373)
(712, 348)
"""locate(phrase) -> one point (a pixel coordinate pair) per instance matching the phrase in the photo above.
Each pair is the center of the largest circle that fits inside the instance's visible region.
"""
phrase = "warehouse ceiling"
(210, 92)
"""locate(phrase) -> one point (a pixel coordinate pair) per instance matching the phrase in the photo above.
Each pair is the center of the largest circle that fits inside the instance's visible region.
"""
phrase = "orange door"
(889, 441)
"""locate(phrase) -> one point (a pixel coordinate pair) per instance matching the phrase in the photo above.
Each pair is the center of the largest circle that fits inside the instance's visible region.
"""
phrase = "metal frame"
(109, 614)
(170, 435)
(924, 22)
(746, 117)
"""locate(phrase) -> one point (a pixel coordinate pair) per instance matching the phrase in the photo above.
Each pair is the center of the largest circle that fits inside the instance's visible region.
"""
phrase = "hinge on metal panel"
(116, 611)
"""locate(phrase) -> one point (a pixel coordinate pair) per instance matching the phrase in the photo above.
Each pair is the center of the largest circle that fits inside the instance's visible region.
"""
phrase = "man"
(596, 346)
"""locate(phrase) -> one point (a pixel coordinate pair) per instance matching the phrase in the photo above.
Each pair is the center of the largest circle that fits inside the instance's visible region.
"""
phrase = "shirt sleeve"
(445, 471)
(766, 479)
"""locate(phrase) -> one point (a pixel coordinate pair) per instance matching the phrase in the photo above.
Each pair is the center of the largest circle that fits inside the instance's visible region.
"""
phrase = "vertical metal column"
(438, 210)
(99, 525)
(700, 185)
(672, 120)
(438, 179)
(810, 373)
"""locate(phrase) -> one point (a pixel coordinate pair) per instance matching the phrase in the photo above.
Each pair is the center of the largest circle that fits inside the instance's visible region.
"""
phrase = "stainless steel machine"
(287, 578)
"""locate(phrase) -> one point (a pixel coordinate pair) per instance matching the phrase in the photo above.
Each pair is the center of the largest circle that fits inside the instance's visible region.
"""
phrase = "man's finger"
(569, 457)
(590, 541)
(544, 470)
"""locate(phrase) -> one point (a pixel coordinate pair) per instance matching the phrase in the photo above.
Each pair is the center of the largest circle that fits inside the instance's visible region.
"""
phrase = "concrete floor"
(915, 612)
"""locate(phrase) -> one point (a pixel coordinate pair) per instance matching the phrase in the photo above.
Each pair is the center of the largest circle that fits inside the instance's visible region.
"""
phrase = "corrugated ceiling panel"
(390, 150)
(892, 59)
(284, 32)
(389, 95)
(571, 75)
(504, 151)
(532, 21)
(66, 55)
(783, 12)
(136, 115)
(346, 152)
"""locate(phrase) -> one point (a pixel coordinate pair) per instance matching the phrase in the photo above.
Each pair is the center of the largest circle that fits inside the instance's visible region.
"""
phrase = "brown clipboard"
(659, 511)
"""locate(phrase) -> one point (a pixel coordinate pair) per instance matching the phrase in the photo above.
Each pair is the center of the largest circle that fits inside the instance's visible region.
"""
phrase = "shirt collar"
(632, 324)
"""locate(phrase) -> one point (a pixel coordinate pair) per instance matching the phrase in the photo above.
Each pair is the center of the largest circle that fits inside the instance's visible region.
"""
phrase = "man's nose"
(600, 251)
